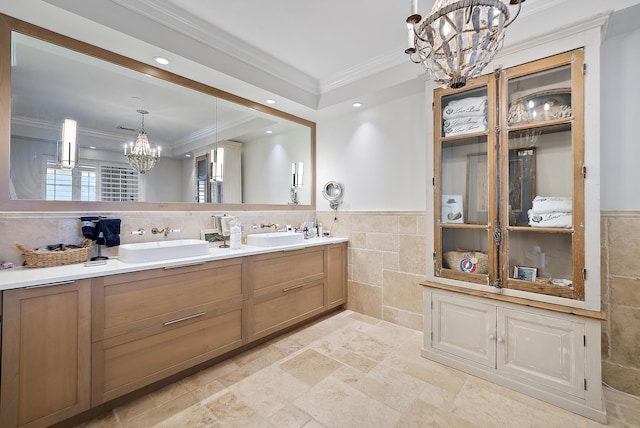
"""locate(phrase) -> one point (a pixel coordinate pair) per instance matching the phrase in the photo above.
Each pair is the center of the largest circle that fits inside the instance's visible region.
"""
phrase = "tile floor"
(347, 370)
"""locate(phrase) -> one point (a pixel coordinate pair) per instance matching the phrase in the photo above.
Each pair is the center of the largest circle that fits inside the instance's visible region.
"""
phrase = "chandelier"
(458, 38)
(141, 156)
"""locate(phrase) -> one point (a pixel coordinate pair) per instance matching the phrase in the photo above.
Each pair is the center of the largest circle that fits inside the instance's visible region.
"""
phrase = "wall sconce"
(297, 171)
(68, 147)
(217, 164)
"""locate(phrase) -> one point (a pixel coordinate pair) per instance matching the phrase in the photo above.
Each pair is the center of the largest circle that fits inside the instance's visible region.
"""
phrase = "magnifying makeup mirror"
(332, 191)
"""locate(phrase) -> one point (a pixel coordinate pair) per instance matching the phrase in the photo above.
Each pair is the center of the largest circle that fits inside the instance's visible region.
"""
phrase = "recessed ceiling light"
(269, 132)
(357, 104)
(270, 101)
(188, 155)
(161, 60)
(92, 147)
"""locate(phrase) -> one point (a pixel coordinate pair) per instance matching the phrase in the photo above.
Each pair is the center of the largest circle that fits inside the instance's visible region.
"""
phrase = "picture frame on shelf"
(451, 209)
(209, 235)
(477, 195)
(525, 273)
(522, 184)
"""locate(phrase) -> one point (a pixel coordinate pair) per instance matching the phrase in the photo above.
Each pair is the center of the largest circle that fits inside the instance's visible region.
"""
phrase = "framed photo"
(451, 209)
(525, 273)
(522, 184)
(209, 235)
(477, 197)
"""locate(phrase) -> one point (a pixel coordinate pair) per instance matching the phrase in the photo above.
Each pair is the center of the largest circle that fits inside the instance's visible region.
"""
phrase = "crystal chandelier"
(141, 156)
(458, 38)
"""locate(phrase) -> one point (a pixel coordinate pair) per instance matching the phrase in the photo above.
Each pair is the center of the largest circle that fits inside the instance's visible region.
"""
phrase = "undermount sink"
(143, 252)
(274, 239)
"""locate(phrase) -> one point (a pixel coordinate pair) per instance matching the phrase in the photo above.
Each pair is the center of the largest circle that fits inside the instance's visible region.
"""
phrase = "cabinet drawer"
(128, 362)
(292, 304)
(271, 272)
(125, 303)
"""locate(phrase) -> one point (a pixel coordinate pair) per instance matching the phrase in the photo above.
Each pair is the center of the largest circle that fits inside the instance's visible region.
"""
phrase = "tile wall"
(620, 252)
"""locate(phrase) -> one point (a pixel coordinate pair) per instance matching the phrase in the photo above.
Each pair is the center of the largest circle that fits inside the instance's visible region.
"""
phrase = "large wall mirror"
(214, 147)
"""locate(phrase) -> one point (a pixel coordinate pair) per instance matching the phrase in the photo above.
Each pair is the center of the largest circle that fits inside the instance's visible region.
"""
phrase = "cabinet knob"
(492, 337)
(500, 340)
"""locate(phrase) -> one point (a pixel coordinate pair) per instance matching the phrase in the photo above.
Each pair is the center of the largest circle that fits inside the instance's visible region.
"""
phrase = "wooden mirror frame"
(9, 24)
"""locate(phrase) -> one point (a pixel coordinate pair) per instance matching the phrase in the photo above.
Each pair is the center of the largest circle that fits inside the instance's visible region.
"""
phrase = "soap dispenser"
(235, 239)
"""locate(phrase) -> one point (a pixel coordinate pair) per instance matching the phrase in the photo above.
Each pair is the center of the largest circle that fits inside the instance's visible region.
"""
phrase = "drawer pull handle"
(188, 317)
(184, 265)
(51, 284)
(292, 287)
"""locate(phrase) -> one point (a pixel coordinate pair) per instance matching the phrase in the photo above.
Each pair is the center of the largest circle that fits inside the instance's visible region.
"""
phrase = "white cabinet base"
(554, 357)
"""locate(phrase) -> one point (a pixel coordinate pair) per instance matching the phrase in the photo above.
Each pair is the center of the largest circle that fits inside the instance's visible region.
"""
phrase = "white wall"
(620, 115)
(378, 154)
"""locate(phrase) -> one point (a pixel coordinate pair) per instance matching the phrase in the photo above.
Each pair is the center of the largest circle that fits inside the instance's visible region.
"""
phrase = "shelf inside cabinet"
(464, 226)
(539, 229)
(470, 138)
(546, 127)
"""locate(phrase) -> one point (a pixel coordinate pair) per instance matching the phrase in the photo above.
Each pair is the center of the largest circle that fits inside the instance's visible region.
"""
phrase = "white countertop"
(24, 277)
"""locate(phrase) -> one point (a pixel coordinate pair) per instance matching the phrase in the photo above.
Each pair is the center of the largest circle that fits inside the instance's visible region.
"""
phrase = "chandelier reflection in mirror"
(458, 38)
(140, 154)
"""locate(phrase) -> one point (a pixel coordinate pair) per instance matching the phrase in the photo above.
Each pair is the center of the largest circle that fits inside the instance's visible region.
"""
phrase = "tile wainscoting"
(620, 251)
(34, 230)
(387, 261)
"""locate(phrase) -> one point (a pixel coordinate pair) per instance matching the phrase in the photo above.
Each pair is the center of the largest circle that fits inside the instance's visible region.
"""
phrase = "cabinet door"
(464, 328)
(464, 205)
(540, 349)
(542, 177)
(337, 274)
(45, 354)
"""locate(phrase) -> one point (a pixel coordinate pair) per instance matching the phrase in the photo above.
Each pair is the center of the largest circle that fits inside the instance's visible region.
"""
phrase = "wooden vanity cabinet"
(149, 325)
(45, 354)
(285, 288)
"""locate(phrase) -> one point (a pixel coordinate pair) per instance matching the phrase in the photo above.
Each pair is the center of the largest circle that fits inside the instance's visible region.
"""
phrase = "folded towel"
(464, 125)
(471, 106)
(550, 204)
(89, 229)
(556, 220)
(109, 234)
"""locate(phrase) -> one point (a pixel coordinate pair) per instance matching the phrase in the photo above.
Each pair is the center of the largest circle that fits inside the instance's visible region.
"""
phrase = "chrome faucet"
(164, 231)
(275, 226)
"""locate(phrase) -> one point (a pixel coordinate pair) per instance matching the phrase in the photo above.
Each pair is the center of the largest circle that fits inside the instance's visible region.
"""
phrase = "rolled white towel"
(550, 204)
(464, 125)
(471, 106)
(555, 220)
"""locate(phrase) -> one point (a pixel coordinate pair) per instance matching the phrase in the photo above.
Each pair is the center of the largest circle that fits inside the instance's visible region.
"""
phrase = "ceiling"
(314, 53)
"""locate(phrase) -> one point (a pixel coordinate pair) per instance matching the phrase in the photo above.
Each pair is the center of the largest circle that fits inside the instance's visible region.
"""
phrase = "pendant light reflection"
(68, 150)
(297, 171)
(141, 156)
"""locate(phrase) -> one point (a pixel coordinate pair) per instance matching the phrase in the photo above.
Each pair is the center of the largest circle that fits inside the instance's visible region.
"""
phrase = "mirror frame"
(9, 24)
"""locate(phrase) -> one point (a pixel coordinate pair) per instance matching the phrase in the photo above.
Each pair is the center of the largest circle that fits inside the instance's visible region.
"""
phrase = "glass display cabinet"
(509, 179)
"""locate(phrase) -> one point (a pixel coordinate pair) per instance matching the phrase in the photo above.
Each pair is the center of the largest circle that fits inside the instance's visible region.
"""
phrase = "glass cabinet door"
(541, 200)
(464, 204)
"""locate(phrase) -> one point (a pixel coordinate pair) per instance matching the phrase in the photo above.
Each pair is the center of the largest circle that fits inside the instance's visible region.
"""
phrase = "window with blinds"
(115, 183)
(70, 184)
(119, 184)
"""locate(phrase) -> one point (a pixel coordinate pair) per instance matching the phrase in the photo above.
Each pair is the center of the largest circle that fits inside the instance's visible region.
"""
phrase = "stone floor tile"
(269, 390)
(335, 404)
(208, 375)
(158, 414)
(391, 387)
(243, 372)
(310, 366)
(290, 417)
(196, 416)
(232, 412)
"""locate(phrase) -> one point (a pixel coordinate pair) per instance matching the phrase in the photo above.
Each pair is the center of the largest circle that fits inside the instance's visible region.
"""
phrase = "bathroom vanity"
(76, 337)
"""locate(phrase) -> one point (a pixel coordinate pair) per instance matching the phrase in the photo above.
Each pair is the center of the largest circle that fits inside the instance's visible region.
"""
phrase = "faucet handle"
(140, 231)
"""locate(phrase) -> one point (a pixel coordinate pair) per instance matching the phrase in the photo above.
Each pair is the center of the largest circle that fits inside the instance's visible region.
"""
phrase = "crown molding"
(167, 15)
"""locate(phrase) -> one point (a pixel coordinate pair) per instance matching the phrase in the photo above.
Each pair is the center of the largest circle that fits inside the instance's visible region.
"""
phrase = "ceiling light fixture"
(270, 101)
(458, 38)
(268, 132)
(141, 156)
(161, 60)
(357, 104)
